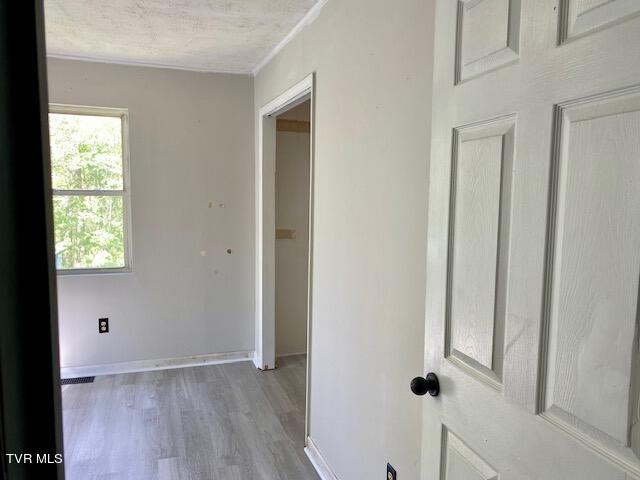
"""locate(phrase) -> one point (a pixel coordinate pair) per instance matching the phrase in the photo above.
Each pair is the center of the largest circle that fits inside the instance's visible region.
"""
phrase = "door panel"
(580, 17)
(481, 49)
(459, 462)
(533, 241)
(592, 339)
(478, 240)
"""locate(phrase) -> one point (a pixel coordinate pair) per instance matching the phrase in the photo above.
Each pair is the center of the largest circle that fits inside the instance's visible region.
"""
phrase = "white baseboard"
(304, 352)
(318, 461)
(160, 364)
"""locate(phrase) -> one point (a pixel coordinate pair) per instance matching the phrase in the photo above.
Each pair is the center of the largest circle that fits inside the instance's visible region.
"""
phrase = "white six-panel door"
(534, 241)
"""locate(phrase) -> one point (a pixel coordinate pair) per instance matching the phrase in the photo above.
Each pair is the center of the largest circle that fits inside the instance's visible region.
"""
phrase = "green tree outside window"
(87, 171)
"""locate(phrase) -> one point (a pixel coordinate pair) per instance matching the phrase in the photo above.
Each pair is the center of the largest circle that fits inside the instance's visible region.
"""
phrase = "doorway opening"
(284, 231)
(293, 151)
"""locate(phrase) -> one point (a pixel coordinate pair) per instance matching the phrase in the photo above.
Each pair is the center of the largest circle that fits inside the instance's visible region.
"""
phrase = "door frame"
(265, 355)
(30, 400)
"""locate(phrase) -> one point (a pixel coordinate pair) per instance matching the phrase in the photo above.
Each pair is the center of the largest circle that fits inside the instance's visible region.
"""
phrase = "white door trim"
(265, 219)
(265, 354)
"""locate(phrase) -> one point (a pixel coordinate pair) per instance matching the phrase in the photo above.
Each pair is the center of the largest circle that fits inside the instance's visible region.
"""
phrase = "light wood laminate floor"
(227, 421)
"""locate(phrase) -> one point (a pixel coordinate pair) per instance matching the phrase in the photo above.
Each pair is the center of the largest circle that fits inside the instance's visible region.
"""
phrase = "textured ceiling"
(209, 35)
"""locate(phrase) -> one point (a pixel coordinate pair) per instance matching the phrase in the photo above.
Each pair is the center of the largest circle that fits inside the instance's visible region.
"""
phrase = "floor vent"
(73, 381)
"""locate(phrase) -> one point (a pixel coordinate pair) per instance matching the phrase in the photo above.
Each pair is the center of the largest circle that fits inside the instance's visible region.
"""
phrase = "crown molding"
(308, 19)
(132, 63)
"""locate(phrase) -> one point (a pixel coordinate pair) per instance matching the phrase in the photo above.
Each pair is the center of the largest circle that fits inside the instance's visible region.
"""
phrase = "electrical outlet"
(103, 325)
(391, 473)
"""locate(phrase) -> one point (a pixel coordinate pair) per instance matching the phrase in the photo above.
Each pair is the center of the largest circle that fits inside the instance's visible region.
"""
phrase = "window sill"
(94, 271)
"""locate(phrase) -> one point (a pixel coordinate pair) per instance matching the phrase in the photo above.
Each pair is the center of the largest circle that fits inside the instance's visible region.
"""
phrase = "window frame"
(125, 193)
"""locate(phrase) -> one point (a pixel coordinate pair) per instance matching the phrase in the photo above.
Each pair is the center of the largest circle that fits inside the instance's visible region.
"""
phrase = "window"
(89, 175)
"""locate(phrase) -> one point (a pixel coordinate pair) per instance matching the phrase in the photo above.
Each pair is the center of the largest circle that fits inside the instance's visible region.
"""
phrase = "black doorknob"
(429, 385)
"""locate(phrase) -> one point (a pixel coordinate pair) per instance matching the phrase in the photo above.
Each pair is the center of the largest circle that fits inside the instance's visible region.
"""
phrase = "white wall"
(292, 255)
(373, 64)
(191, 143)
